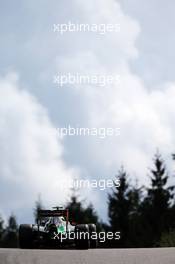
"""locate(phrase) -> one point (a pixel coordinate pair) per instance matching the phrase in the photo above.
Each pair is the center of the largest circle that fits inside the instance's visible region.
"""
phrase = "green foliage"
(157, 204)
(143, 220)
(1, 230)
(119, 208)
(134, 236)
(167, 239)
(10, 235)
(80, 214)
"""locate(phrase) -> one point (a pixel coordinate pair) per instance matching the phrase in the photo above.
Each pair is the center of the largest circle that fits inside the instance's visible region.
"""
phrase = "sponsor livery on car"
(54, 229)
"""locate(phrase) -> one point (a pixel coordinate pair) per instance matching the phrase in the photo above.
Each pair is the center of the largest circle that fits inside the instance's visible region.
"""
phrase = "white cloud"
(31, 156)
(146, 116)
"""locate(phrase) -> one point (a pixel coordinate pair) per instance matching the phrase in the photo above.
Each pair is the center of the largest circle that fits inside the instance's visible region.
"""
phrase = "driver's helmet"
(59, 221)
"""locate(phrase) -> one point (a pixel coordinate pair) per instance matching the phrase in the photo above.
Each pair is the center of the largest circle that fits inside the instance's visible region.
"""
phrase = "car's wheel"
(93, 241)
(82, 236)
(25, 236)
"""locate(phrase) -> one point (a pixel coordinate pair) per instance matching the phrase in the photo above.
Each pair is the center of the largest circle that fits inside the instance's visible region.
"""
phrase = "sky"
(33, 159)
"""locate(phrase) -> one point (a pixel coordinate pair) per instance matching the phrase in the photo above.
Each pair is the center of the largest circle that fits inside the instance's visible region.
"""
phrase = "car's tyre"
(25, 236)
(82, 236)
(93, 230)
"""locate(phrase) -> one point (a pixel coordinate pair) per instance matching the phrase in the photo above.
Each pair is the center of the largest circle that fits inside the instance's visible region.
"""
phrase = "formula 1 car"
(54, 230)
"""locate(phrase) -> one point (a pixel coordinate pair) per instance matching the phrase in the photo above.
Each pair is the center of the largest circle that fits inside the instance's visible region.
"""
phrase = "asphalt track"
(92, 256)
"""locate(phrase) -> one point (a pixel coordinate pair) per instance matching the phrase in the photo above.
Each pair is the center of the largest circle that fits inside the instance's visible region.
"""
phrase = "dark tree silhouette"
(157, 204)
(10, 236)
(79, 213)
(75, 209)
(135, 226)
(119, 206)
(1, 230)
(38, 206)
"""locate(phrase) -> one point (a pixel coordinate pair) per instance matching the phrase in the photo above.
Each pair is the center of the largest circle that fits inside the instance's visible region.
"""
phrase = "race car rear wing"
(52, 213)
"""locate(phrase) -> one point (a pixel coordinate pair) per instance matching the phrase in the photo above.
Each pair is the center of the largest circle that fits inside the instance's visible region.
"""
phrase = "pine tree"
(157, 204)
(75, 209)
(38, 206)
(1, 230)
(10, 237)
(79, 213)
(135, 238)
(119, 206)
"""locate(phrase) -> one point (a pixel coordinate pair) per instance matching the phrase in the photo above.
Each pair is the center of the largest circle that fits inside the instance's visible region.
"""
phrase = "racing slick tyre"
(93, 241)
(82, 236)
(25, 236)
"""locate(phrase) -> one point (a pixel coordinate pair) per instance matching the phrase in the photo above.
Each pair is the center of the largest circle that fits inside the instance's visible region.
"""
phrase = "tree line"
(145, 216)
(9, 233)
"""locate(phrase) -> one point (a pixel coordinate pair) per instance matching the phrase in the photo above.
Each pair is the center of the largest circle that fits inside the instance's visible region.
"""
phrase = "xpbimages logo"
(85, 79)
(86, 27)
(101, 236)
(101, 184)
(99, 132)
